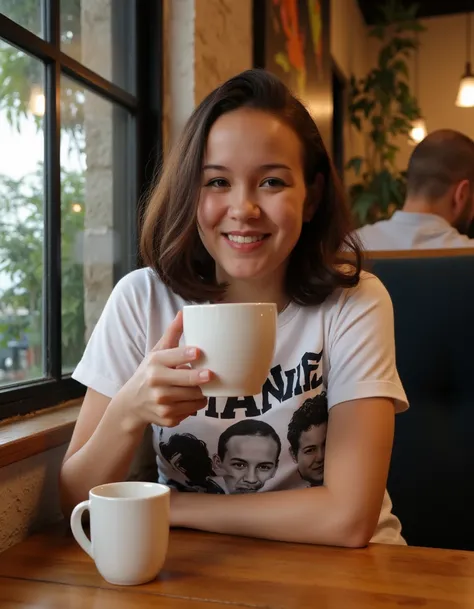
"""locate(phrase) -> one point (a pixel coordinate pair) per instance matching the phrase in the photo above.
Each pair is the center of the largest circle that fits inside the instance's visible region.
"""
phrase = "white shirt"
(410, 231)
(326, 354)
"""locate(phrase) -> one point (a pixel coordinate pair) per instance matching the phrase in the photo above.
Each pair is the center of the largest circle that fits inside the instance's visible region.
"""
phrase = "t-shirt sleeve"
(362, 346)
(117, 344)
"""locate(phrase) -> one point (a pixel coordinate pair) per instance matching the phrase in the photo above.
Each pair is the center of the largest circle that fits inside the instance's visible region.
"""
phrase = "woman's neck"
(256, 291)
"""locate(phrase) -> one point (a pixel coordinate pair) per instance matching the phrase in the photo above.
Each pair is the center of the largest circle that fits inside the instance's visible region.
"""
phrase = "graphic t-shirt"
(340, 350)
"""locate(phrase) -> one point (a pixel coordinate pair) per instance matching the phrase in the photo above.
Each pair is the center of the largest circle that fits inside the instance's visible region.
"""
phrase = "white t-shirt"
(327, 354)
(411, 231)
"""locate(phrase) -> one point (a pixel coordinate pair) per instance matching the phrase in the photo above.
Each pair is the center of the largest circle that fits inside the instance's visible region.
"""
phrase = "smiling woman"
(250, 137)
(248, 210)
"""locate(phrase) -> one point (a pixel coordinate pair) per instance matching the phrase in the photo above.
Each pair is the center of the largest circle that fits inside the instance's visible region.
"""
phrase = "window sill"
(24, 437)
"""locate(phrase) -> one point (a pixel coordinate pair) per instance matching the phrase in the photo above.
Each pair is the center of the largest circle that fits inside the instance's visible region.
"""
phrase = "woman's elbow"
(356, 538)
(349, 530)
(356, 531)
(67, 500)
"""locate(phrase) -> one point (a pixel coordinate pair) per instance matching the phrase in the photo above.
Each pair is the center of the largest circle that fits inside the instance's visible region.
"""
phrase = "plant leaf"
(355, 164)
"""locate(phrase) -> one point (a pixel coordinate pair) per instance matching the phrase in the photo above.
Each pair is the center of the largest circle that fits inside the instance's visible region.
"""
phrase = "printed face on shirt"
(249, 462)
(310, 455)
(252, 202)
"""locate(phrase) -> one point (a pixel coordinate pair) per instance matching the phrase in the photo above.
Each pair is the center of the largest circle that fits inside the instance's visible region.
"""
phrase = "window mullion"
(51, 22)
(52, 242)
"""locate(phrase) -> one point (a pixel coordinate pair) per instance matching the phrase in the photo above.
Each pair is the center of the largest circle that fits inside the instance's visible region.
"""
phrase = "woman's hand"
(165, 390)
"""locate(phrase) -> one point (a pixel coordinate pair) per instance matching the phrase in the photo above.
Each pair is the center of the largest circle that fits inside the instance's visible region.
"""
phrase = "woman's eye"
(273, 183)
(218, 183)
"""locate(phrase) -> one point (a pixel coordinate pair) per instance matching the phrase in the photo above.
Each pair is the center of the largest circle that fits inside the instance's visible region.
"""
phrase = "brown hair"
(170, 241)
(444, 158)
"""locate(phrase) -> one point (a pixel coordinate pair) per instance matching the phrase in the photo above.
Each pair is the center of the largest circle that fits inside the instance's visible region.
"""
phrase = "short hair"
(312, 413)
(195, 459)
(247, 427)
(327, 255)
(444, 158)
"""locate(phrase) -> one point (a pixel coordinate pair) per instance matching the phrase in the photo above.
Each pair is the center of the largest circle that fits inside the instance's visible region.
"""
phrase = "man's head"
(307, 438)
(440, 178)
(247, 455)
(188, 455)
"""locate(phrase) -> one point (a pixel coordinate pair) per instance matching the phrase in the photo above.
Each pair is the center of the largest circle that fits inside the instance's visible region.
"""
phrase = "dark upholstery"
(431, 480)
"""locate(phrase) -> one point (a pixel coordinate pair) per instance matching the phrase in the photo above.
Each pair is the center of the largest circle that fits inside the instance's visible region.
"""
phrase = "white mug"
(237, 342)
(129, 524)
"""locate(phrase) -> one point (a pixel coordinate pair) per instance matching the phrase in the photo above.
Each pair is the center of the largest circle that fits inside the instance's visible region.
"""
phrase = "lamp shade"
(465, 98)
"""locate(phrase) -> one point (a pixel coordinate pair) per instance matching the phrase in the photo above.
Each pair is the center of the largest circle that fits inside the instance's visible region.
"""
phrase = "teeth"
(241, 239)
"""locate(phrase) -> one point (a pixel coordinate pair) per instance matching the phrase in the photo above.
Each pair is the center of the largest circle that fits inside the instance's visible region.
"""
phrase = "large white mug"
(129, 527)
(237, 342)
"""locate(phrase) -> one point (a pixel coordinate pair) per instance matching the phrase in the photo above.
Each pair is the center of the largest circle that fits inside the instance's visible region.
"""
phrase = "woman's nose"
(242, 207)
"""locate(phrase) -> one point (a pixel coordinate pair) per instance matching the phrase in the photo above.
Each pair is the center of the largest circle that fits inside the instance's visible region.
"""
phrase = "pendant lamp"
(465, 98)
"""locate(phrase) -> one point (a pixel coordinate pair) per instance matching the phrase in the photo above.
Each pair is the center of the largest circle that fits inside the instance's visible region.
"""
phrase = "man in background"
(439, 206)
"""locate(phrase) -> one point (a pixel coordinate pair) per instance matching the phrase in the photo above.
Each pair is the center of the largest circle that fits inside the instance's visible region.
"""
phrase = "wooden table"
(205, 571)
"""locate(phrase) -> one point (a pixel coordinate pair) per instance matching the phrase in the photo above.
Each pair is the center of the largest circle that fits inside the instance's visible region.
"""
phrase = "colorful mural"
(295, 46)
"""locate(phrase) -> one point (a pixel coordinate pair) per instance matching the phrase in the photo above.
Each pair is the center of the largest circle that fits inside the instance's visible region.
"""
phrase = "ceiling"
(427, 8)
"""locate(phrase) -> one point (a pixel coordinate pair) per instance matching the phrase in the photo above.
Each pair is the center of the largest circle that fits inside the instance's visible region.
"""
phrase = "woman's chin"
(244, 275)
(245, 272)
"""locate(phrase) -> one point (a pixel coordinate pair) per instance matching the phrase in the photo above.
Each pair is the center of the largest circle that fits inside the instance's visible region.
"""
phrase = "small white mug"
(129, 524)
(237, 343)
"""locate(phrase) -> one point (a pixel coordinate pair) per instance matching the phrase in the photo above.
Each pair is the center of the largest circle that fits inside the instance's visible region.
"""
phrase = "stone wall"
(29, 496)
(205, 43)
(98, 246)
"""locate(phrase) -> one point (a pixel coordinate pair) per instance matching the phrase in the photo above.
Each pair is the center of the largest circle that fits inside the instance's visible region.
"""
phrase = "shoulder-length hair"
(325, 257)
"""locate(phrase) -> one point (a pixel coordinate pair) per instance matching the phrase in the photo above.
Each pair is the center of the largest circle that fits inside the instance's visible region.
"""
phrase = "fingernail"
(190, 352)
(204, 375)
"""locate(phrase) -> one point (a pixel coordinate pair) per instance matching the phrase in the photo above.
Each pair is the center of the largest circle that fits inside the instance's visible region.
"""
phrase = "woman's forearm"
(105, 457)
(303, 516)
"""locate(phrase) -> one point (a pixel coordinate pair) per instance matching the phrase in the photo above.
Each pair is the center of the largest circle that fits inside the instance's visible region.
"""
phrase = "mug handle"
(76, 527)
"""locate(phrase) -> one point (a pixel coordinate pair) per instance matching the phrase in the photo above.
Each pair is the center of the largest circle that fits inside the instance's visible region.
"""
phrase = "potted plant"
(382, 108)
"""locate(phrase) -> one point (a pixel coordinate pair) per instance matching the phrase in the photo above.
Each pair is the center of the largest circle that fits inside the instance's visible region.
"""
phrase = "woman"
(248, 208)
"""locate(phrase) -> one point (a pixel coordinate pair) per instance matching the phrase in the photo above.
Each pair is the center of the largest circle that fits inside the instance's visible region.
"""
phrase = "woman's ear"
(313, 197)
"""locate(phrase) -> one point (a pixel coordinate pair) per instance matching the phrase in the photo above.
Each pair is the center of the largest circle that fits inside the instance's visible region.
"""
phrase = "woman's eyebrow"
(216, 167)
(275, 166)
(266, 166)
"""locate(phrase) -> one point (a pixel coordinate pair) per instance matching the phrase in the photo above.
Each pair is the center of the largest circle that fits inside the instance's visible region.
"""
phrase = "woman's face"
(252, 201)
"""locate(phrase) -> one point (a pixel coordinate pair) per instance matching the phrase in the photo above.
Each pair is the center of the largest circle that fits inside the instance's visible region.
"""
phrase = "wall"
(349, 50)
(29, 495)
(223, 43)
(96, 50)
(348, 38)
(440, 70)
(205, 43)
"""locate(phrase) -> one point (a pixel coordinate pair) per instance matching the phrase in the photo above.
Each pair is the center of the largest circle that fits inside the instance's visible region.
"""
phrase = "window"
(80, 88)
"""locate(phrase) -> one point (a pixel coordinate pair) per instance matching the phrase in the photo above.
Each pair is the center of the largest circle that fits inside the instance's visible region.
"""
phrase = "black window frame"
(146, 107)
